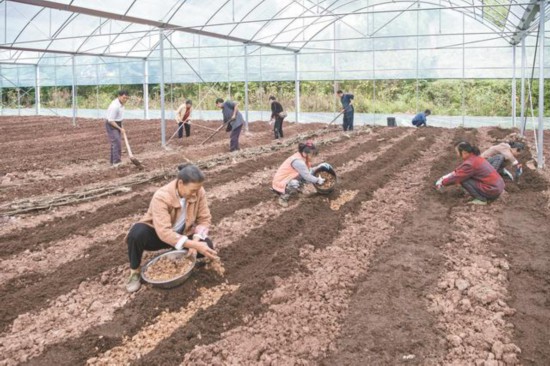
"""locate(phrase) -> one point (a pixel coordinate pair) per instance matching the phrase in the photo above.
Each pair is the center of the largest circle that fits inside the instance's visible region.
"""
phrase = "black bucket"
(391, 122)
(325, 190)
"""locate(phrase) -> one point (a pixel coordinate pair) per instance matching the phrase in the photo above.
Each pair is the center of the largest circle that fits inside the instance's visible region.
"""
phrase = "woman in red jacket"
(476, 175)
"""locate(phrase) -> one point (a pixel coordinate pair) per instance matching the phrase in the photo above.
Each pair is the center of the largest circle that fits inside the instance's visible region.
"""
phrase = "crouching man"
(178, 217)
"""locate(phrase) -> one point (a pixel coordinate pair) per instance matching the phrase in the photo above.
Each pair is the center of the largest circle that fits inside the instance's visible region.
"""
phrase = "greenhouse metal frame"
(85, 42)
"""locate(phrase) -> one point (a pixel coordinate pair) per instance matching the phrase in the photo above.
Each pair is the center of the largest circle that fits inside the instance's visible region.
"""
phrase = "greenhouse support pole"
(246, 85)
(514, 94)
(97, 90)
(296, 88)
(162, 112)
(145, 89)
(463, 66)
(18, 94)
(37, 89)
(522, 92)
(73, 90)
(417, 53)
(540, 155)
(1, 96)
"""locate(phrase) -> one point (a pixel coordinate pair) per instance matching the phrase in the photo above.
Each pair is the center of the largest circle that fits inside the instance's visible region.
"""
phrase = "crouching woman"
(476, 175)
(295, 171)
(178, 217)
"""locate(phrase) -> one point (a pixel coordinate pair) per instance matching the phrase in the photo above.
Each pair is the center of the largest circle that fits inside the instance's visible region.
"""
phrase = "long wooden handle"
(127, 145)
(215, 132)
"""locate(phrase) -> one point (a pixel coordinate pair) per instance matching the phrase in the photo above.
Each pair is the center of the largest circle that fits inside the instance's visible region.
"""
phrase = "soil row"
(72, 275)
(81, 222)
(88, 170)
(388, 320)
(172, 300)
(272, 254)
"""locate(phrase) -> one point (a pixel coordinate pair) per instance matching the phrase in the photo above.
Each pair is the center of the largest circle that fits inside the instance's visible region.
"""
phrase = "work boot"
(283, 202)
(134, 282)
(478, 202)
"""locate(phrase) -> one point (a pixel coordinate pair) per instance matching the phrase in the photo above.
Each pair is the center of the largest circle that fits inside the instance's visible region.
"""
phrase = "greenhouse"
(366, 246)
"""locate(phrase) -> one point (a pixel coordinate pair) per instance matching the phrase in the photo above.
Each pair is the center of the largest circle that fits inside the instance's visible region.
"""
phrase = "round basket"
(173, 282)
(324, 189)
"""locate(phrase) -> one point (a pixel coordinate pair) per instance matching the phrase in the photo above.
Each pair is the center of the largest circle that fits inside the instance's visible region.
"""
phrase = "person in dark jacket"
(234, 119)
(476, 175)
(276, 111)
(420, 119)
(347, 108)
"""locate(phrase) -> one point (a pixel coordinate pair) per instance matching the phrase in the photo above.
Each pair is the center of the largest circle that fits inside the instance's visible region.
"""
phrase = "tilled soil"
(388, 321)
(405, 303)
(177, 297)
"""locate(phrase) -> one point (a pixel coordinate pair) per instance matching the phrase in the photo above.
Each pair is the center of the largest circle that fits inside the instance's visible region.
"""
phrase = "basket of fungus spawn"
(169, 269)
(329, 175)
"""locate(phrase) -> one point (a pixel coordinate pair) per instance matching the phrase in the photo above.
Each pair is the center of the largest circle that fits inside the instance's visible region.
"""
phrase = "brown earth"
(388, 316)
(172, 300)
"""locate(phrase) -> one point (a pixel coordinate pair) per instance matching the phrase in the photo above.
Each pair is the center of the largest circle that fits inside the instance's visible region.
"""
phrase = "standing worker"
(420, 119)
(503, 155)
(113, 124)
(183, 118)
(178, 217)
(347, 108)
(277, 116)
(475, 175)
(295, 171)
(234, 119)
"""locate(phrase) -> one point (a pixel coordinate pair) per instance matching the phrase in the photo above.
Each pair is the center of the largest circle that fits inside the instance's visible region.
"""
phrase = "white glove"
(439, 184)
(320, 181)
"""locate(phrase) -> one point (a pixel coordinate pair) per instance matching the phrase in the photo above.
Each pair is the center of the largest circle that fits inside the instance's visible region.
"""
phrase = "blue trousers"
(348, 121)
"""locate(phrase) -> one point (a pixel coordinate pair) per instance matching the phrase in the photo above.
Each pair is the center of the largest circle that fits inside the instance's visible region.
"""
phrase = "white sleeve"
(112, 112)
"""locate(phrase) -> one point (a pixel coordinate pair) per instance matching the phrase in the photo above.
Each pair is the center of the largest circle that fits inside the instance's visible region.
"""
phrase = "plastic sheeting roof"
(129, 28)
(335, 39)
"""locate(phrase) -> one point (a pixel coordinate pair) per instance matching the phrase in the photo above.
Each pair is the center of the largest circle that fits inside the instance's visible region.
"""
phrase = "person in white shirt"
(113, 125)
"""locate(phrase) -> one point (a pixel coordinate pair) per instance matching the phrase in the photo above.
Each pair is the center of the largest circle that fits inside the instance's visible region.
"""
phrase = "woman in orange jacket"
(178, 217)
(295, 171)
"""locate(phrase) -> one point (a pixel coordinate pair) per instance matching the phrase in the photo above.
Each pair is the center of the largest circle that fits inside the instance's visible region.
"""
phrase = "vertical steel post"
(514, 94)
(246, 85)
(522, 95)
(98, 113)
(540, 139)
(162, 112)
(463, 67)
(1, 96)
(18, 94)
(417, 53)
(296, 87)
(37, 89)
(73, 89)
(145, 89)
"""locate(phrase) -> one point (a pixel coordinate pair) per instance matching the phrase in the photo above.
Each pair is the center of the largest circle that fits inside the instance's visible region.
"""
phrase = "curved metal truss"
(129, 29)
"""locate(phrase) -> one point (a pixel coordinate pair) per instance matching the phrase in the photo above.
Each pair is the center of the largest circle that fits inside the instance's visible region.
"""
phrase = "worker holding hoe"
(347, 109)
(476, 176)
(183, 118)
(295, 171)
(178, 217)
(505, 155)
(234, 120)
(113, 125)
